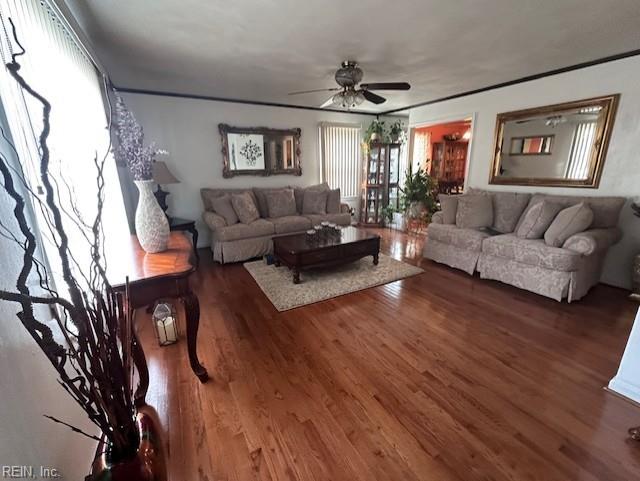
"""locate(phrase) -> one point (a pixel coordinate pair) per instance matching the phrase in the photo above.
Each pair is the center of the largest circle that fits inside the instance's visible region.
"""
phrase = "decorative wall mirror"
(557, 145)
(260, 151)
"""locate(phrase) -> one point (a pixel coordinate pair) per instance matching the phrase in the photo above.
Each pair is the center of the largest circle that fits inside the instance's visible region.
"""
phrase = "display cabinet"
(381, 182)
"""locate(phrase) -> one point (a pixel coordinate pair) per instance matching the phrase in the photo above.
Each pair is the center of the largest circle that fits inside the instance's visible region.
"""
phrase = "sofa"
(238, 241)
(566, 269)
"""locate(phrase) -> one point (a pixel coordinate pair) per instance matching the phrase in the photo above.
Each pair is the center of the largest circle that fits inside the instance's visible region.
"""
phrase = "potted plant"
(418, 198)
(386, 214)
(375, 132)
(397, 132)
(87, 335)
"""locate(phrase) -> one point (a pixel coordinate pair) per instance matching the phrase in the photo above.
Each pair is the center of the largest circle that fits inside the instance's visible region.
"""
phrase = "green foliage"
(376, 127)
(396, 131)
(387, 213)
(419, 188)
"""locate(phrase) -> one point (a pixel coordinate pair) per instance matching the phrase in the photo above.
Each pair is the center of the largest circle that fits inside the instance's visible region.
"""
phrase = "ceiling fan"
(349, 95)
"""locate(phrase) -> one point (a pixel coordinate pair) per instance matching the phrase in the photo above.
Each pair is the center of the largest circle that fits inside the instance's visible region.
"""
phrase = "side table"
(186, 225)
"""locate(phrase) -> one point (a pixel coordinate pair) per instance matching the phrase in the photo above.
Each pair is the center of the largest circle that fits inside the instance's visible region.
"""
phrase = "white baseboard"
(625, 388)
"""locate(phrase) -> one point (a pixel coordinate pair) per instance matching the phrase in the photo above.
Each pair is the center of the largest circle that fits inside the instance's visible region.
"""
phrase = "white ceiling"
(261, 50)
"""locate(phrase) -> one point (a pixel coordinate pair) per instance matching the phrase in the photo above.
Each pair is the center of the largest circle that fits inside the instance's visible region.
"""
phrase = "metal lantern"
(165, 322)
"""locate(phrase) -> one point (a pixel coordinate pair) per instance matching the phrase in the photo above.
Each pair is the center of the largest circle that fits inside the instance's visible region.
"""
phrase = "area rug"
(321, 284)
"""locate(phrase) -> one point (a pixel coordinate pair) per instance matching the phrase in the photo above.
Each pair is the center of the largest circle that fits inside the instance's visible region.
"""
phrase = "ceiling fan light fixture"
(348, 99)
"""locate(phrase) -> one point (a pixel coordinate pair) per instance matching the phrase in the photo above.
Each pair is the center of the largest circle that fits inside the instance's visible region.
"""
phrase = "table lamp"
(162, 176)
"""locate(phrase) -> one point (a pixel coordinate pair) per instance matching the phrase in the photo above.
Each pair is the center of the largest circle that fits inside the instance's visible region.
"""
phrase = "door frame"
(446, 120)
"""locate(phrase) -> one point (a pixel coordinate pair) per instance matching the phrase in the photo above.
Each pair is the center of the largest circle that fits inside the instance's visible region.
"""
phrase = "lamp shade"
(162, 175)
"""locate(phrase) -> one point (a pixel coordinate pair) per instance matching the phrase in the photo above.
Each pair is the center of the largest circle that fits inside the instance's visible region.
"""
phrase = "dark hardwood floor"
(441, 376)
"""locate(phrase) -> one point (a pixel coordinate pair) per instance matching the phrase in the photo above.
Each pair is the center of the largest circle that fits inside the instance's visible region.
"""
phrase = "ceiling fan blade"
(312, 91)
(327, 102)
(371, 97)
(386, 86)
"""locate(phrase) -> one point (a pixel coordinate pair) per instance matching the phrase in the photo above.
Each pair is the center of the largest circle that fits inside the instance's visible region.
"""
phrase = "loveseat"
(234, 241)
(553, 265)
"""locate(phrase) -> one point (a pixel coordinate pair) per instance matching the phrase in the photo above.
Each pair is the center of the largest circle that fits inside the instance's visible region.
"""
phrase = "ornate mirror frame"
(267, 133)
(609, 104)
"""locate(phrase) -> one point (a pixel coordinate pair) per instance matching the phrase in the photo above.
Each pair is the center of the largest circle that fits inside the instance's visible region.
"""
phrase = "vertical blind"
(581, 148)
(57, 67)
(340, 157)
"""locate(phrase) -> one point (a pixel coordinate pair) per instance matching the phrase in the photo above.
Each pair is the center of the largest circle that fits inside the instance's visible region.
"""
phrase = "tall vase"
(152, 226)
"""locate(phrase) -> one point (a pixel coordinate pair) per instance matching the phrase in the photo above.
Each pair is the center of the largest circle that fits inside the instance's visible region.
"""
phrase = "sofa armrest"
(345, 208)
(213, 220)
(436, 218)
(594, 240)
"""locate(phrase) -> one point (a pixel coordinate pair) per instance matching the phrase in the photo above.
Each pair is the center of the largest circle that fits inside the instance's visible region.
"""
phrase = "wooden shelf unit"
(380, 182)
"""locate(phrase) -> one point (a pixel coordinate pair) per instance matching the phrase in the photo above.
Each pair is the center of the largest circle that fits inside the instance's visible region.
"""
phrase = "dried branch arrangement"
(91, 347)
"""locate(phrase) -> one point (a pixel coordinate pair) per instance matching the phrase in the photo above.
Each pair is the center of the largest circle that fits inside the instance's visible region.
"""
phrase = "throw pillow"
(449, 207)
(260, 194)
(315, 202)
(507, 209)
(222, 206)
(475, 211)
(281, 203)
(298, 192)
(537, 220)
(333, 201)
(245, 207)
(568, 222)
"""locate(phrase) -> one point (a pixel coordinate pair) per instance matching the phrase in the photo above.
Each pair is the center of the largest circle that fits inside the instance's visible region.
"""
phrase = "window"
(340, 157)
(581, 148)
(57, 66)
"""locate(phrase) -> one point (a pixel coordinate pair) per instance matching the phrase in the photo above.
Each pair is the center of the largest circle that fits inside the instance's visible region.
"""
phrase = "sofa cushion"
(343, 218)
(280, 203)
(568, 222)
(209, 194)
(533, 252)
(245, 207)
(333, 201)
(260, 194)
(449, 207)
(257, 228)
(315, 202)
(474, 211)
(290, 223)
(606, 210)
(470, 239)
(298, 192)
(507, 209)
(222, 206)
(537, 220)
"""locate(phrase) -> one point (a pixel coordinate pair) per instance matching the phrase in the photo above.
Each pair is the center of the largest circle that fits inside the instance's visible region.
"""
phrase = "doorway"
(442, 150)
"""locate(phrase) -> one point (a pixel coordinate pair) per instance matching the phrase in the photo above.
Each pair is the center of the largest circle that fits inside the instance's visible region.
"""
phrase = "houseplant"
(375, 132)
(152, 226)
(89, 338)
(418, 195)
(397, 132)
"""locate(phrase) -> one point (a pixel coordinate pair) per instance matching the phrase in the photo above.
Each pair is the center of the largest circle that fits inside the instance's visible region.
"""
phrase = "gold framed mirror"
(556, 145)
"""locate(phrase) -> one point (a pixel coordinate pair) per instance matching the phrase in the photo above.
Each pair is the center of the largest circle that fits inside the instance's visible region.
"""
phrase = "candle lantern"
(165, 322)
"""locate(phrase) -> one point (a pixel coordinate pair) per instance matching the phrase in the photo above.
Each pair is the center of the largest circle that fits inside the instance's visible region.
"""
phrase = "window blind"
(581, 147)
(57, 67)
(340, 157)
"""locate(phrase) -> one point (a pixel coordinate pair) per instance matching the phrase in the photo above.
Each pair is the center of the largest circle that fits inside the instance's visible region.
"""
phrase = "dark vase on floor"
(146, 463)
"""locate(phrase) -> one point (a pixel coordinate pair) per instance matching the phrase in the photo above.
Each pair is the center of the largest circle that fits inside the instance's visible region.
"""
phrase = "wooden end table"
(153, 277)
(177, 224)
(298, 253)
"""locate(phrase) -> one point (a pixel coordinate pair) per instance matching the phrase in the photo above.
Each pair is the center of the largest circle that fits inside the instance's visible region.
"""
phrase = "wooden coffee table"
(298, 253)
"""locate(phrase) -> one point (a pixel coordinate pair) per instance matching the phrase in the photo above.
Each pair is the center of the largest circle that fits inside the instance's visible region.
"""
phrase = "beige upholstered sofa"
(568, 271)
(239, 242)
